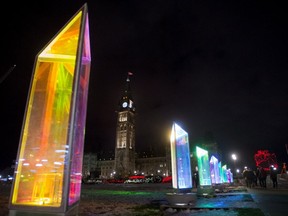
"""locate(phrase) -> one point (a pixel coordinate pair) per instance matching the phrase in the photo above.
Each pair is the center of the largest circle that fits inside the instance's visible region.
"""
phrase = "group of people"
(260, 175)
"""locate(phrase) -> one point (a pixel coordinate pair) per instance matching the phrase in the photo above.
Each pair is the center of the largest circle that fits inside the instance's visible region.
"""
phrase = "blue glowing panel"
(180, 158)
(214, 170)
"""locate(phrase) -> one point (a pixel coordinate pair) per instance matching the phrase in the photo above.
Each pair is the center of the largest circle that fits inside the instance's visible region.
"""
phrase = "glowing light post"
(234, 158)
(205, 187)
(181, 168)
(48, 171)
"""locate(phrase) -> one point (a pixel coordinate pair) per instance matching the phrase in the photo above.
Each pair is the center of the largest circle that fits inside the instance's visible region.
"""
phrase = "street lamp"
(234, 157)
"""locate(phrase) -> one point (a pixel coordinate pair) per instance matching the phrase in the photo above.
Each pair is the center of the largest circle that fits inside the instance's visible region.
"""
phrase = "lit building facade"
(124, 165)
(126, 161)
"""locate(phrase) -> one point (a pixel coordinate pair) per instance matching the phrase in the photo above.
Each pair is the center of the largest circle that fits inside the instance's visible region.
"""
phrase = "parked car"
(167, 179)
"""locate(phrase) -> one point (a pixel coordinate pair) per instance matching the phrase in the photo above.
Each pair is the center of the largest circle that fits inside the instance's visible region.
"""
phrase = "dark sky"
(210, 66)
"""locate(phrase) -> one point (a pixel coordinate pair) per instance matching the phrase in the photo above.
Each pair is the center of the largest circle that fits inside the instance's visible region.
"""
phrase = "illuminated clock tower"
(125, 134)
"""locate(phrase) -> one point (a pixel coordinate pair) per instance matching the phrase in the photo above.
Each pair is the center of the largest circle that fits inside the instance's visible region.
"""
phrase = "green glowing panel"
(224, 173)
(180, 158)
(49, 159)
(220, 172)
(203, 166)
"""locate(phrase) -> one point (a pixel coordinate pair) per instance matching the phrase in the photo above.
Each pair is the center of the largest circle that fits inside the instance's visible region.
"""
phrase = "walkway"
(272, 201)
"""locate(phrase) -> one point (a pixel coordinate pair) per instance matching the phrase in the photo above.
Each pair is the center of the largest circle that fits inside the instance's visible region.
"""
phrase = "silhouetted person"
(262, 177)
(257, 176)
(196, 179)
(273, 177)
(249, 177)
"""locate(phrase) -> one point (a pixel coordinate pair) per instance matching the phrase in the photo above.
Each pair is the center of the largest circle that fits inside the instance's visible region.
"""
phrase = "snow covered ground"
(145, 199)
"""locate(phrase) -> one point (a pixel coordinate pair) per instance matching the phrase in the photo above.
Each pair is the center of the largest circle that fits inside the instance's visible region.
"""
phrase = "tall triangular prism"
(49, 160)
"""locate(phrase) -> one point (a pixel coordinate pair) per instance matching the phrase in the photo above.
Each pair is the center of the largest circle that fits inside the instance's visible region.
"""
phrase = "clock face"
(124, 104)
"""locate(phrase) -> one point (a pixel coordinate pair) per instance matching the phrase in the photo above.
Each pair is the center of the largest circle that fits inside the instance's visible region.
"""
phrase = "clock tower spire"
(126, 102)
(125, 134)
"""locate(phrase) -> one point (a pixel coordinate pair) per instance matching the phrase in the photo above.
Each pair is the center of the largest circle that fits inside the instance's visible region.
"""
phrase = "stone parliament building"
(126, 161)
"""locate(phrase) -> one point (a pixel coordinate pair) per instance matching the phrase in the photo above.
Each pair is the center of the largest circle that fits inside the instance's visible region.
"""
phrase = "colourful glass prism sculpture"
(220, 172)
(214, 170)
(224, 173)
(229, 176)
(180, 159)
(203, 166)
(48, 169)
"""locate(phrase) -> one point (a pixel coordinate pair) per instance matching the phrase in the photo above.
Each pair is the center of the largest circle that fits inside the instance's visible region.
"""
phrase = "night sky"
(213, 67)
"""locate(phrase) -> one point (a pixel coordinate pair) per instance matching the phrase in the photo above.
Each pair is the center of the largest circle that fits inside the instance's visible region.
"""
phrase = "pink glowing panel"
(80, 118)
(229, 176)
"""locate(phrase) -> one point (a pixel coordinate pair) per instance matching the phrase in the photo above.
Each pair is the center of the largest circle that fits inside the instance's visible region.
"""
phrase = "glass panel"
(180, 155)
(44, 147)
(203, 166)
(80, 119)
(78, 139)
(214, 170)
(43, 159)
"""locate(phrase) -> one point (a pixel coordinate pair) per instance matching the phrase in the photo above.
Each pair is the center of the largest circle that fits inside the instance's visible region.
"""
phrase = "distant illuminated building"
(124, 165)
(203, 166)
(124, 161)
(49, 162)
(180, 158)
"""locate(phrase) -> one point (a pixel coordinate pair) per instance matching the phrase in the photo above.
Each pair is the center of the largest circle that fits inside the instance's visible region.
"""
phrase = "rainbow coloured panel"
(49, 161)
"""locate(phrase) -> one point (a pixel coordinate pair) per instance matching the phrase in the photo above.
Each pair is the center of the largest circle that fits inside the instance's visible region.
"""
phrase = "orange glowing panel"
(49, 160)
